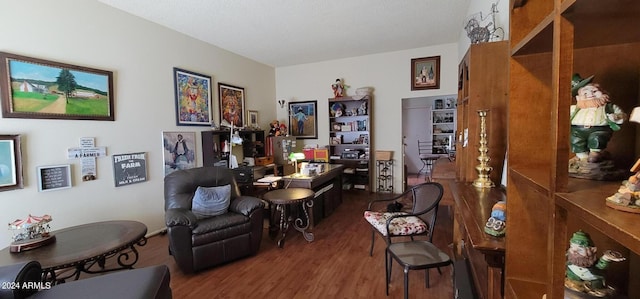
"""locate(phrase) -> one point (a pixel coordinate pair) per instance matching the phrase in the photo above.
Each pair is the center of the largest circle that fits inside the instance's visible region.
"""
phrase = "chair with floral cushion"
(417, 217)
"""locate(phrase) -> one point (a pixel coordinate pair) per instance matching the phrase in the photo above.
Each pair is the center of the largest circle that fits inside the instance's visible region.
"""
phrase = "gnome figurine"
(496, 224)
(585, 272)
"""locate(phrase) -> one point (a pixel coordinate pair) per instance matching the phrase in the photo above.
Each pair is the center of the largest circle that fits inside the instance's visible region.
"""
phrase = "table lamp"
(295, 157)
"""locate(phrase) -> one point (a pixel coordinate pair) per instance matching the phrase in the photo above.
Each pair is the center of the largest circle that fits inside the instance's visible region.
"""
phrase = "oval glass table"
(80, 248)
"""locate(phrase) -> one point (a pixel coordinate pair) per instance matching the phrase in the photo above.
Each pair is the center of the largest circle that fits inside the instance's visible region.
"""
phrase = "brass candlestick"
(483, 168)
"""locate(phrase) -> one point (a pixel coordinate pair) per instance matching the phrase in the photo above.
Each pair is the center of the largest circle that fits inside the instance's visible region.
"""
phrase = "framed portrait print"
(252, 119)
(37, 88)
(10, 163)
(54, 177)
(303, 120)
(231, 104)
(425, 73)
(179, 151)
(193, 98)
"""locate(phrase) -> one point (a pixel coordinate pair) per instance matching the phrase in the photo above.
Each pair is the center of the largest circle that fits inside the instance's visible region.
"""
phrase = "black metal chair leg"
(406, 283)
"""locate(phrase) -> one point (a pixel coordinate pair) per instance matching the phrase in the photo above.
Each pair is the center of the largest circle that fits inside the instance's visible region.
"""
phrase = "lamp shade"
(296, 156)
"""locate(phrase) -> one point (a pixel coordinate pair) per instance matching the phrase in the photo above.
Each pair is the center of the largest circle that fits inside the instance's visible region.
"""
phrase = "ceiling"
(289, 32)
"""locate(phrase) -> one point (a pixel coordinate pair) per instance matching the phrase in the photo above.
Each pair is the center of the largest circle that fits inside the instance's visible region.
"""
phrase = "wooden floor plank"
(335, 265)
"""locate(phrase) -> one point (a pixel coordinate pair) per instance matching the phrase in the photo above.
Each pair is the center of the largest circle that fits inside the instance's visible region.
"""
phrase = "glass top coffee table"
(79, 248)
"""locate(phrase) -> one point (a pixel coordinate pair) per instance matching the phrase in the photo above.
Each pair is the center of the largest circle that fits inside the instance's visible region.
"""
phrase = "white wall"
(390, 76)
(142, 56)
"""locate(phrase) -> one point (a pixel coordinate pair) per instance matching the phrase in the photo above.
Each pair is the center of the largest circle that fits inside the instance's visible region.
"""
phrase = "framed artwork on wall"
(231, 104)
(193, 98)
(179, 151)
(54, 177)
(129, 168)
(303, 120)
(425, 73)
(10, 163)
(252, 119)
(37, 88)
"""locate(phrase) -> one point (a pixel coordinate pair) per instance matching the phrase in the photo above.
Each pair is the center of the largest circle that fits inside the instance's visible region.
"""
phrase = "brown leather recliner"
(197, 244)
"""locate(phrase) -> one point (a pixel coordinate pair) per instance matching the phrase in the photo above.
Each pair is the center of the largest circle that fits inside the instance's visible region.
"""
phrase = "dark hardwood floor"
(335, 265)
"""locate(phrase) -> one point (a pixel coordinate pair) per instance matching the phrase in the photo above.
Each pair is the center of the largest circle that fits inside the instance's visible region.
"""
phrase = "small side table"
(282, 202)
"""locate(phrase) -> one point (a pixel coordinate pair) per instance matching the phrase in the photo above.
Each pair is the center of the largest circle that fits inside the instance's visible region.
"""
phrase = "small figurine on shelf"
(274, 128)
(496, 224)
(593, 120)
(363, 109)
(628, 196)
(585, 272)
(339, 88)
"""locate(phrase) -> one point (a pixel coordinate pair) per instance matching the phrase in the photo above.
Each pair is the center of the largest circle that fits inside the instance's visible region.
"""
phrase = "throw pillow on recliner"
(211, 201)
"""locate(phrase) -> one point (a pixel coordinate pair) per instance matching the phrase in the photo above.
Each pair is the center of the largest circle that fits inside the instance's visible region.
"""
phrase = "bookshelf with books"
(350, 139)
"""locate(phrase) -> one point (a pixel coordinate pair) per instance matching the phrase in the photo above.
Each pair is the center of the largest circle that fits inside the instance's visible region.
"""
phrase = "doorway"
(416, 125)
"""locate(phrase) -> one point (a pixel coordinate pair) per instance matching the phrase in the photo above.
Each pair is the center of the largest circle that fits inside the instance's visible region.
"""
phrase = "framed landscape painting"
(37, 88)
(303, 120)
(231, 104)
(425, 73)
(193, 98)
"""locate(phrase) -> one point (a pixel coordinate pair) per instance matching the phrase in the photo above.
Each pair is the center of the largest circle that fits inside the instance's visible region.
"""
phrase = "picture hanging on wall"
(179, 151)
(425, 73)
(10, 163)
(54, 177)
(37, 88)
(231, 104)
(303, 121)
(193, 98)
(129, 168)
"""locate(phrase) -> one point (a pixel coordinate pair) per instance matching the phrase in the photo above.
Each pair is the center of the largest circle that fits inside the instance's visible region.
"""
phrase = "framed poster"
(231, 104)
(54, 177)
(193, 98)
(303, 120)
(10, 163)
(37, 88)
(179, 151)
(129, 168)
(425, 73)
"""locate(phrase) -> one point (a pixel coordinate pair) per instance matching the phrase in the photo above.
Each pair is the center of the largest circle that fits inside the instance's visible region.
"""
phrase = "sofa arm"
(245, 205)
(13, 278)
(179, 217)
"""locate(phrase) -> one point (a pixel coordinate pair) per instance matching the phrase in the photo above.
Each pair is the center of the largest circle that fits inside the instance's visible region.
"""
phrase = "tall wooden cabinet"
(482, 84)
(550, 41)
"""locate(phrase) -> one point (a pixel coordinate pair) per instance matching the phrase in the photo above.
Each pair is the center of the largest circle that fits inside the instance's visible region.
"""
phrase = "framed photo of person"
(193, 98)
(231, 104)
(179, 151)
(425, 73)
(303, 120)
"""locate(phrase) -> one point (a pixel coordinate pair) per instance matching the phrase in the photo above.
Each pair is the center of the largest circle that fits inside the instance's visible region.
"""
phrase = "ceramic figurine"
(594, 119)
(585, 273)
(628, 196)
(338, 88)
(496, 224)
